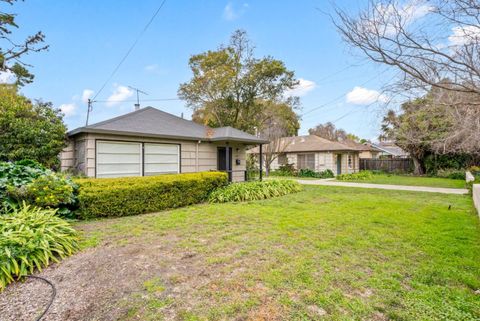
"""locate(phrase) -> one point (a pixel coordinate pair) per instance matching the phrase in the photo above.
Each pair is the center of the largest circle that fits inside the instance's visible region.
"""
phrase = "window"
(282, 159)
(306, 161)
(350, 161)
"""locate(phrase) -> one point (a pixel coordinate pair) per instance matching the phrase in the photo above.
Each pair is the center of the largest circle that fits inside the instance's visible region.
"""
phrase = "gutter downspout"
(196, 155)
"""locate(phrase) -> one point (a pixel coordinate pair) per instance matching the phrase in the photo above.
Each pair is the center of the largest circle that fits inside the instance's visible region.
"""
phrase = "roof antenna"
(137, 105)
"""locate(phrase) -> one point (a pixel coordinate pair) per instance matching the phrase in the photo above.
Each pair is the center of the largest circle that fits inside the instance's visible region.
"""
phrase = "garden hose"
(54, 293)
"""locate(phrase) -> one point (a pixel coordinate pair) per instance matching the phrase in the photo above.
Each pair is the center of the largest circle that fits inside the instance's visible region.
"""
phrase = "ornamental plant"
(32, 238)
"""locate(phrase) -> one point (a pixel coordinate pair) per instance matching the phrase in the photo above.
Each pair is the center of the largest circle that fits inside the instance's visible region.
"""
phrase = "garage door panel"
(162, 149)
(118, 159)
(164, 159)
(118, 147)
(115, 159)
(153, 169)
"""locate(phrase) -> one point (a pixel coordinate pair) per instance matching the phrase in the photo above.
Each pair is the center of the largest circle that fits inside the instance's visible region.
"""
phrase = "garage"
(119, 159)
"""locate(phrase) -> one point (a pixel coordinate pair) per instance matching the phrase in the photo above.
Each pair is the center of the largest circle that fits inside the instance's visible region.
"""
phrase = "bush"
(123, 196)
(30, 182)
(284, 170)
(31, 238)
(309, 173)
(451, 173)
(359, 176)
(252, 191)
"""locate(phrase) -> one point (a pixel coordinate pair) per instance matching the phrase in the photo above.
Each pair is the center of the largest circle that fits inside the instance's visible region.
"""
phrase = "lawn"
(327, 253)
(413, 181)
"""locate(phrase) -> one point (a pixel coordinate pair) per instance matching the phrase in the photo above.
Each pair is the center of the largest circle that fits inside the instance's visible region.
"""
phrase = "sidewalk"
(332, 182)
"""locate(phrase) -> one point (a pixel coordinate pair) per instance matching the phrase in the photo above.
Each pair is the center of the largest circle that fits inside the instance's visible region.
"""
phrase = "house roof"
(308, 143)
(390, 148)
(360, 147)
(152, 122)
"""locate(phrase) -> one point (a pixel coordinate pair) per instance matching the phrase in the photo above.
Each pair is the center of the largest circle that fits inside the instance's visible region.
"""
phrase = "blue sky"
(88, 38)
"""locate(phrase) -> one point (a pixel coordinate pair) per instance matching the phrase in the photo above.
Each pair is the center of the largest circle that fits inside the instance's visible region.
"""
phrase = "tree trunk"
(417, 166)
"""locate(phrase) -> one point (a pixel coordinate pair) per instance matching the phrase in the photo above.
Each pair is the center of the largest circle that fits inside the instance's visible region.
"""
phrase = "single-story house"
(312, 152)
(365, 150)
(149, 141)
(389, 149)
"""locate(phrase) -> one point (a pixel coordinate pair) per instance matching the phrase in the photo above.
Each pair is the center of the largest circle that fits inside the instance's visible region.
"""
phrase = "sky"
(87, 40)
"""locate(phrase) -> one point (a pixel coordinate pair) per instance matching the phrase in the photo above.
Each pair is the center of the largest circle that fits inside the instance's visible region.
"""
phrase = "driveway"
(332, 182)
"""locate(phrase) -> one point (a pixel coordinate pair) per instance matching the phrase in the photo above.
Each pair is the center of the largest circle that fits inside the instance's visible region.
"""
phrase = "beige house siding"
(368, 154)
(194, 156)
(324, 161)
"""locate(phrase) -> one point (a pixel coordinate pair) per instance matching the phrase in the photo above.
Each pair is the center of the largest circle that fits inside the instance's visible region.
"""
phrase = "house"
(149, 141)
(365, 150)
(313, 152)
(389, 149)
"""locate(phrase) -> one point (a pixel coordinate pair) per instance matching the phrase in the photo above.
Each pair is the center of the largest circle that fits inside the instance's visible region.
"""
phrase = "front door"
(224, 160)
(339, 164)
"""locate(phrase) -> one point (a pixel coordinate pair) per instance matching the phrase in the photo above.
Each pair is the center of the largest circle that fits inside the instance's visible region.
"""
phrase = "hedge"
(103, 197)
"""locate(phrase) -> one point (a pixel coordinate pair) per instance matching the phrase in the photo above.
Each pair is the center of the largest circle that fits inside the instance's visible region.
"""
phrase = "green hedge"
(253, 191)
(123, 196)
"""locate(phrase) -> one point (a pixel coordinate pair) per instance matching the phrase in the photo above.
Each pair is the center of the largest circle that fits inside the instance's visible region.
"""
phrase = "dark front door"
(339, 164)
(224, 157)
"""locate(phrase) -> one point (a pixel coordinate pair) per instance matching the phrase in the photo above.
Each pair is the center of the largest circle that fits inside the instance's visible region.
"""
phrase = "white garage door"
(161, 159)
(117, 159)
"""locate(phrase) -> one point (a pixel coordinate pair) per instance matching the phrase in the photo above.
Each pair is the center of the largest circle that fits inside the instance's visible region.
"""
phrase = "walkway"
(331, 182)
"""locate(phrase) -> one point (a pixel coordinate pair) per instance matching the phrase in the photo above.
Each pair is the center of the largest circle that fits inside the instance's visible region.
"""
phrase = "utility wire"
(134, 100)
(129, 50)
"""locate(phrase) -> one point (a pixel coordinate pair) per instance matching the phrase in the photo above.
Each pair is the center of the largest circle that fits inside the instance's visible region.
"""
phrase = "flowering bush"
(37, 186)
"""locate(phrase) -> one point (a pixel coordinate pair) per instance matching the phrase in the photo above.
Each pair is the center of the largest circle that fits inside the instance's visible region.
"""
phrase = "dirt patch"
(97, 284)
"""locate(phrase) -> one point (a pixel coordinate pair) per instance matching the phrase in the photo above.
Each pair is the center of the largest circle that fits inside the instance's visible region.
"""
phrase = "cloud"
(230, 13)
(7, 77)
(68, 109)
(303, 87)
(120, 94)
(86, 95)
(464, 35)
(364, 96)
(151, 68)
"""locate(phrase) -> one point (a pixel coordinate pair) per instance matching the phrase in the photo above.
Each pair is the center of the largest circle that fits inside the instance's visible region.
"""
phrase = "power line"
(341, 96)
(134, 100)
(130, 49)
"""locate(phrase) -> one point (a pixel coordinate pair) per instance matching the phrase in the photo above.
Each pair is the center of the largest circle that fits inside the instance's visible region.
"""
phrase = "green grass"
(413, 181)
(350, 253)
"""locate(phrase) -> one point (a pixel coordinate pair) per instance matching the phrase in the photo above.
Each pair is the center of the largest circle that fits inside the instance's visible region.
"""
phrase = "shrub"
(31, 238)
(30, 182)
(451, 173)
(284, 170)
(359, 176)
(137, 195)
(251, 191)
(309, 173)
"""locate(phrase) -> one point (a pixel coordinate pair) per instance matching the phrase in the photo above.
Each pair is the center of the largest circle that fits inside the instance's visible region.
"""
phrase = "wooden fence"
(402, 165)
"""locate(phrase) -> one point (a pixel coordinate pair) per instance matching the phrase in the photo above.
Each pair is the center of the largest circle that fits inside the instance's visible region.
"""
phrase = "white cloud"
(151, 68)
(7, 77)
(364, 96)
(230, 13)
(464, 35)
(86, 95)
(68, 109)
(120, 94)
(303, 87)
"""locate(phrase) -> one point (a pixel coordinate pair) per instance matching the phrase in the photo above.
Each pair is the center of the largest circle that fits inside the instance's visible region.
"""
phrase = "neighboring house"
(149, 141)
(315, 153)
(365, 150)
(388, 149)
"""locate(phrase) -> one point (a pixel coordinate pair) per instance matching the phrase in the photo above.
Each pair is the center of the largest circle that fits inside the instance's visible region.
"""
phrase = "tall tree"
(29, 130)
(230, 87)
(331, 132)
(12, 52)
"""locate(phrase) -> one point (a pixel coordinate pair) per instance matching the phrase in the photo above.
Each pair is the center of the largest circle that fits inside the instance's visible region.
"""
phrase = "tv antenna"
(137, 105)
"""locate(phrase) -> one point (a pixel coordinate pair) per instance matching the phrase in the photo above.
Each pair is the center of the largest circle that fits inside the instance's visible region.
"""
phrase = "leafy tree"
(331, 132)
(12, 52)
(230, 87)
(29, 130)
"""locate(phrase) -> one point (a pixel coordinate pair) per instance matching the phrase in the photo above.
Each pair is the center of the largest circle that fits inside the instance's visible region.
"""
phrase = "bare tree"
(435, 45)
